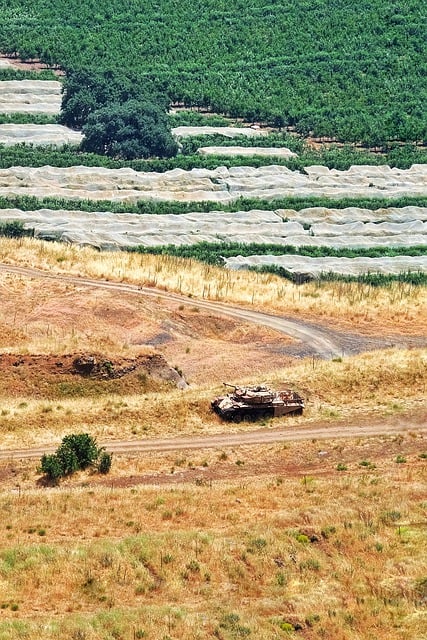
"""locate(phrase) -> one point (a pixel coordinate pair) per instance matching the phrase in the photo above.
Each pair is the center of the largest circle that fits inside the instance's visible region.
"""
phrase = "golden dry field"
(398, 309)
(313, 539)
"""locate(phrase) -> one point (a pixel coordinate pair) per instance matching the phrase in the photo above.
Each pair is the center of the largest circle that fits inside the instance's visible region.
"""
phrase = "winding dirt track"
(320, 343)
(400, 425)
(318, 340)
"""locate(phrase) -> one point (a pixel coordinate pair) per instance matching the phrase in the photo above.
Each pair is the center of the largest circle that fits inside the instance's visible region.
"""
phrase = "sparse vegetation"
(397, 307)
(154, 562)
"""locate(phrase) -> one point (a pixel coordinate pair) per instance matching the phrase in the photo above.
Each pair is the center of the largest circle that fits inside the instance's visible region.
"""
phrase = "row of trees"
(31, 203)
(356, 72)
(118, 130)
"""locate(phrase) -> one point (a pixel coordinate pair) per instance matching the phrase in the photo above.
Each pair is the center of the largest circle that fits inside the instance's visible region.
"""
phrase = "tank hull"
(257, 403)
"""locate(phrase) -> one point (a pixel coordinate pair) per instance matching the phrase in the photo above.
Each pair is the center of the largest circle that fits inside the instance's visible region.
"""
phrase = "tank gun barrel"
(233, 386)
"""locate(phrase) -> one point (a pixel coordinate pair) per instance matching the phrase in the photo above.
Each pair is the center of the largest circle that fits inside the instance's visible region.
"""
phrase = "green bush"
(104, 462)
(83, 446)
(14, 229)
(76, 451)
(51, 466)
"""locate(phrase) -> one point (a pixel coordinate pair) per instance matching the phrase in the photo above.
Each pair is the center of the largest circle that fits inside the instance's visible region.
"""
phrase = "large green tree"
(128, 131)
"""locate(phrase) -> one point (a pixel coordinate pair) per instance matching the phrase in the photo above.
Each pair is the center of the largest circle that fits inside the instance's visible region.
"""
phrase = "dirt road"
(322, 431)
(319, 340)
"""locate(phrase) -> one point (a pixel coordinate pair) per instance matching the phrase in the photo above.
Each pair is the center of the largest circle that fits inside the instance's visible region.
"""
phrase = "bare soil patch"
(61, 318)
(317, 457)
(30, 65)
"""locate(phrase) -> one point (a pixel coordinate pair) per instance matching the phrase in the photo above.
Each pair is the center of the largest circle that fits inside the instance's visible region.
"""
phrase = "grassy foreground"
(339, 557)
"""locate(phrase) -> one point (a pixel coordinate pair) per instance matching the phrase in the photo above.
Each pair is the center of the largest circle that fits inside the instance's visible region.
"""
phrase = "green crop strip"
(414, 278)
(26, 118)
(213, 253)
(30, 203)
(341, 158)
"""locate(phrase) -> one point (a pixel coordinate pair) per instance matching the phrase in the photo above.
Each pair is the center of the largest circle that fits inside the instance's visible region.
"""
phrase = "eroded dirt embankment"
(38, 375)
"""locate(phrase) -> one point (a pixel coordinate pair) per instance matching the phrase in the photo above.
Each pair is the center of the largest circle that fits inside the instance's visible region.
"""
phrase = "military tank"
(255, 403)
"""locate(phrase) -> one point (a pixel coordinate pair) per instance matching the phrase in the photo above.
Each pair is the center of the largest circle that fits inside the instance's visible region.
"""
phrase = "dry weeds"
(396, 309)
(380, 383)
(307, 551)
(62, 318)
(341, 556)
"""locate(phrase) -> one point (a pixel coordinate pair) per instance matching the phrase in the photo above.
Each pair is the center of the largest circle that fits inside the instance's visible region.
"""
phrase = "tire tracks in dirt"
(416, 422)
(321, 340)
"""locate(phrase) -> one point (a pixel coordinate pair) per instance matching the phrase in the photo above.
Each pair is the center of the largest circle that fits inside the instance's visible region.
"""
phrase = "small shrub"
(328, 531)
(51, 466)
(193, 566)
(312, 619)
(230, 622)
(104, 462)
(389, 517)
(400, 459)
(311, 564)
(301, 537)
(281, 579)
(366, 463)
(76, 451)
(341, 467)
(257, 545)
(167, 558)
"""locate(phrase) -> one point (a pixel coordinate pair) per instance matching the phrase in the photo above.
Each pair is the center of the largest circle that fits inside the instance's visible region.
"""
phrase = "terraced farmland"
(322, 227)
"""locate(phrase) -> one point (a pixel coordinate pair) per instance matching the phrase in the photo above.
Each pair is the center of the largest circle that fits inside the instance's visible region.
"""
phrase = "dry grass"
(397, 309)
(371, 383)
(286, 545)
(341, 556)
(60, 318)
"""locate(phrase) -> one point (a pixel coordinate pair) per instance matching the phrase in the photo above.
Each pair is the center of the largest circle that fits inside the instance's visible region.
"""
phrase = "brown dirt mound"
(47, 375)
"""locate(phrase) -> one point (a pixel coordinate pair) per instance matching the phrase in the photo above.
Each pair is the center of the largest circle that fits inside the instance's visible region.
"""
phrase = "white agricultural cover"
(347, 266)
(30, 96)
(219, 184)
(315, 215)
(369, 228)
(32, 87)
(262, 227)
(227, 132)
(38, 134)
(280, 152)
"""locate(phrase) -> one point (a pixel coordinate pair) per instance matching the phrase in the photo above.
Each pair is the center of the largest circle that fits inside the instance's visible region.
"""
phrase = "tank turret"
(256, 402)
